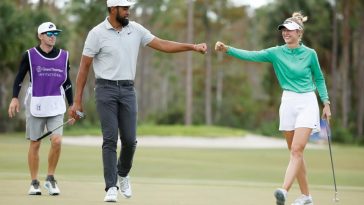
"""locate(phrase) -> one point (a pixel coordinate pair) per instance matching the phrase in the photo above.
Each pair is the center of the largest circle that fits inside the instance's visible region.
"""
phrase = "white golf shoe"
(303, 200)
(51, 186)
(111, 195)
(281, 196)
(34, 188)
(125, 187)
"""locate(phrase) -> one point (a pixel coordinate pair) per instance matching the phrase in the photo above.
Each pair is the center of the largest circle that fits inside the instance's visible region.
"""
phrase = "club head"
(80, 114)
(336, 200)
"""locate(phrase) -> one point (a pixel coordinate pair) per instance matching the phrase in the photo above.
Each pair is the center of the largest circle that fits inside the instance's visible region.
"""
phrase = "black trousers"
(116, 105)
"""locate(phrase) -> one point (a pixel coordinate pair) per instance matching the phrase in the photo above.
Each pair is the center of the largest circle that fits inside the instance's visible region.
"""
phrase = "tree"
(334, 54)
(208, 67)
(189, 84)
(360, 75)
(345, 62)
(19, 23)
(360, 116)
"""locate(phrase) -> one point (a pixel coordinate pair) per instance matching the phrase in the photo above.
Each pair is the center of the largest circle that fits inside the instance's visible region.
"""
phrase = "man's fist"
(202, 48)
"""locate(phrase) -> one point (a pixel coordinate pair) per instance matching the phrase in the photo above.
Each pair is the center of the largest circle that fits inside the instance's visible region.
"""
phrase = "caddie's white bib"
(46, 106)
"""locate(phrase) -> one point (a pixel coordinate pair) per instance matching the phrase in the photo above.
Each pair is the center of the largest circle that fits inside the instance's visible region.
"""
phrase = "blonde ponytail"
(299, 18)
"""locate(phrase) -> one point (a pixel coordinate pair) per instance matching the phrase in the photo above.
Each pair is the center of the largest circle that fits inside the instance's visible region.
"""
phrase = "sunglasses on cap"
(52, 33)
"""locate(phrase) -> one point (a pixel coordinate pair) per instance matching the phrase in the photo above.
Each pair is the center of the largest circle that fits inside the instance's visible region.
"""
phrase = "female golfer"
(299, 74)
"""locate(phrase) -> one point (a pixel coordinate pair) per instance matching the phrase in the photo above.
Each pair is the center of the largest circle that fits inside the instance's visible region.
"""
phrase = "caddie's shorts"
(37, 126)
(299, 110)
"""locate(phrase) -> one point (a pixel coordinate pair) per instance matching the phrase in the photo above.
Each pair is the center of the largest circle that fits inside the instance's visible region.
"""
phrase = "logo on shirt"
(39, 69)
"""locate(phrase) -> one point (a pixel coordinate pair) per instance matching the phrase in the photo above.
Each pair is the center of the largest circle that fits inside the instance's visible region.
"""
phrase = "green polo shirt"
(297, 69)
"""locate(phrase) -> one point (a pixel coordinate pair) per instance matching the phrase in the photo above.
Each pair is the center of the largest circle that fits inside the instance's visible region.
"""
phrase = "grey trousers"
(116, 105)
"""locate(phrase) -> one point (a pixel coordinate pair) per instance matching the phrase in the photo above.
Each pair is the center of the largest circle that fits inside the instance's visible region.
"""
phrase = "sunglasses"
(52, 33)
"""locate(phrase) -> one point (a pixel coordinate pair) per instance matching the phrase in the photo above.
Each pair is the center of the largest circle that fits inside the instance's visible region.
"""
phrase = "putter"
(328, 132)
(80, 114)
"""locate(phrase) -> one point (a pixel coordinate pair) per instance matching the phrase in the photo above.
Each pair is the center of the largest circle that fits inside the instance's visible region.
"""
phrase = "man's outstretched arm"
(175, 47)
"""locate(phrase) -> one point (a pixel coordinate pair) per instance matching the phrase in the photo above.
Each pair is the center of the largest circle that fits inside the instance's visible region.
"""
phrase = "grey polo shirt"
(115, 52)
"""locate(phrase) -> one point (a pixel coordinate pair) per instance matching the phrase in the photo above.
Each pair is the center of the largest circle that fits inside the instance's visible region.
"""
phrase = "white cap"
(113, 3)
(290, 25)
(47, 26)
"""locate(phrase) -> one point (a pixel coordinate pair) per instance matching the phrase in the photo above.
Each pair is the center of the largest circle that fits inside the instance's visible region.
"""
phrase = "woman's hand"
(219, 46)
(326, 112)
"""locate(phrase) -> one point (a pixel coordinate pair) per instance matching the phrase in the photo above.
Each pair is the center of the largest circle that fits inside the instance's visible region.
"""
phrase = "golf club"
(328, 132)
(78, 113)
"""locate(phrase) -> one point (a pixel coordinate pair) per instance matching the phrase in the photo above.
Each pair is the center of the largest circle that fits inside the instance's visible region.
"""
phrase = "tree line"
(211, 89)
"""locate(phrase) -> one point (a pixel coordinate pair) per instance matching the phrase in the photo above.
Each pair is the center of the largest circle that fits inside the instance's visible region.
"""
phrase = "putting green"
(166, 176)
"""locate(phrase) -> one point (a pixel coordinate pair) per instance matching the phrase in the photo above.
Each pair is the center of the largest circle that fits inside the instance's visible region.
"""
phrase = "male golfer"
(112, 47)
(48, 69)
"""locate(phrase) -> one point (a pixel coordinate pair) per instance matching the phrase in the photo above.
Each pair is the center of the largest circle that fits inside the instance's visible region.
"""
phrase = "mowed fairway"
(166, 176)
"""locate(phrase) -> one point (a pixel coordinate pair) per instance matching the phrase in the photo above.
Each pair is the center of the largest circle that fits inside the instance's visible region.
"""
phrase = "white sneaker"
(303, 200)
(51, 186)
(34, 188)
(111, 195)
(125, 187)
(281, 196)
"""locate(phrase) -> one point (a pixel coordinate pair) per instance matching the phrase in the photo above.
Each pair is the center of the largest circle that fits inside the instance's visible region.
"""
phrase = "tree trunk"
(143, 76)
(360, 118)
(165, 92)
(189, 83)
(21, 3)
(219, 87)
(220, 70)
(208, 111)
(144, 80)
(334, 72)
(345, 65)
(41, 4)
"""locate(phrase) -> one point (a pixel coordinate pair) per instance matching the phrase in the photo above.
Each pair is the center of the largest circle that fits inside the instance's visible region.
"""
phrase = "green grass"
(166, 176)
(164, 130)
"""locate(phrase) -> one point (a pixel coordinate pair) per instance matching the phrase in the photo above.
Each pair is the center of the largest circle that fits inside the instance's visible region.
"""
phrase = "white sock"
(307, 196)
(285, 192)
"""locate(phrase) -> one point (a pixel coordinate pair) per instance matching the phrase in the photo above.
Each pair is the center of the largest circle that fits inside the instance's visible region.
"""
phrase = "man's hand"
(219, 46)
(202, 48)
(72, 111)
(71, 121)
(13, 107)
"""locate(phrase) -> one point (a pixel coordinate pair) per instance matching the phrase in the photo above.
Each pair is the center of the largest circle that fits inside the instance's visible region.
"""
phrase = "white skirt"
(299, 110)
